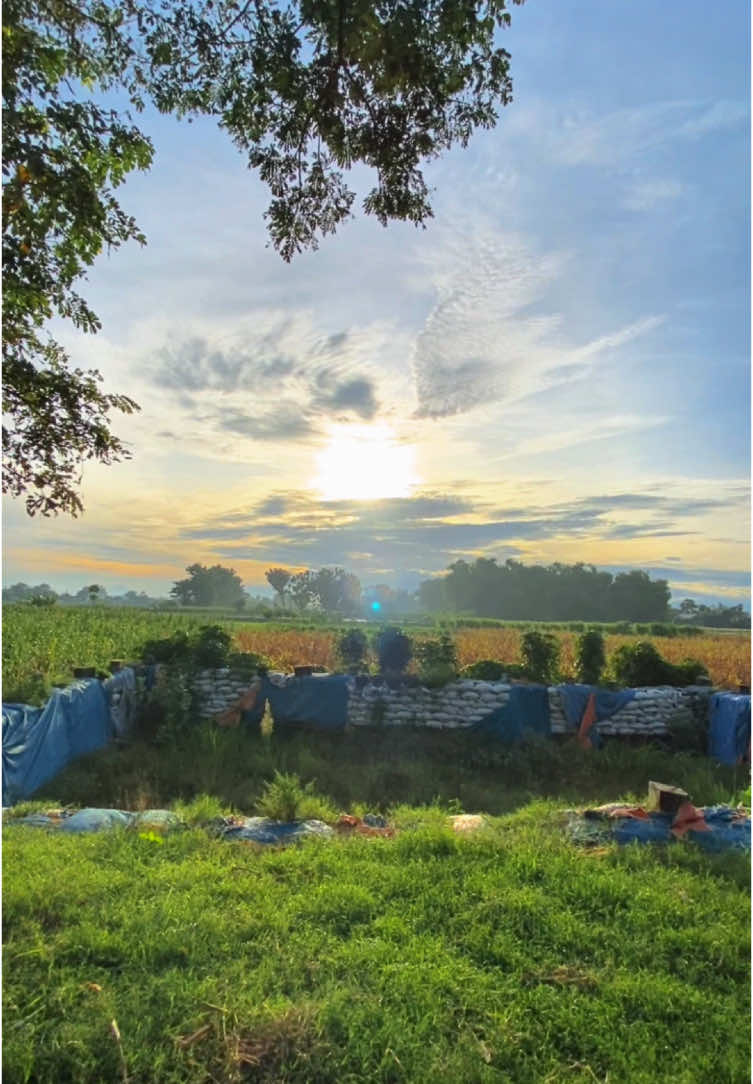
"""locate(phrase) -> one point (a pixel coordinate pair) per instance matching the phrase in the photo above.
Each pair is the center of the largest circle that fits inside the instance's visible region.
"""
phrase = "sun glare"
(365, 463)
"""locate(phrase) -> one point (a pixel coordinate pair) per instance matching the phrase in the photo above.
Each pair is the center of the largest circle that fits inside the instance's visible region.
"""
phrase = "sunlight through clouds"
(365, 463)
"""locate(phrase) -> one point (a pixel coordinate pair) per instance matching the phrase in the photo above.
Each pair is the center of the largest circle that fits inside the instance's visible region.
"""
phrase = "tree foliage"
(62, 158)
(332, 590)
(215, 586)
(306, 90)
(557, 592)
(278, 579)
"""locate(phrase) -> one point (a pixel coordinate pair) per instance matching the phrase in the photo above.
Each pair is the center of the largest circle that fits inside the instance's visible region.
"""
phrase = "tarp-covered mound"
(729, 728)
(714, 828)
(39, 742)
(160, 821)
(266, 831)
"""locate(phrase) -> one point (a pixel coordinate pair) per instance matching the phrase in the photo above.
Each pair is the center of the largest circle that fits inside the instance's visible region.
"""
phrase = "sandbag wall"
(465, 703)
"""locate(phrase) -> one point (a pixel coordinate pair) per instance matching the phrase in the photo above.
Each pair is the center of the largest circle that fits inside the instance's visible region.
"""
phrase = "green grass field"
(512, 956)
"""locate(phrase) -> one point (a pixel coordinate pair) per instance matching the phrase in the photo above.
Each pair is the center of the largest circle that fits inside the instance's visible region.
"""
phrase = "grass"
(511, 956)
(383, 767)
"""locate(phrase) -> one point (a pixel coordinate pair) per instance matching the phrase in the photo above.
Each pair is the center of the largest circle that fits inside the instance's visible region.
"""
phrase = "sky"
(555, 369)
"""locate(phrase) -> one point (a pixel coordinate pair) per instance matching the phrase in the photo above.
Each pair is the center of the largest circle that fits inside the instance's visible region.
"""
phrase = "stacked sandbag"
(651, 711)
(557, 715)
(217, 690)
(459, 704)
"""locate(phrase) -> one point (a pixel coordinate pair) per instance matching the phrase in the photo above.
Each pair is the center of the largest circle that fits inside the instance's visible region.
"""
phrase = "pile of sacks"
(459, 704)
(216, 690)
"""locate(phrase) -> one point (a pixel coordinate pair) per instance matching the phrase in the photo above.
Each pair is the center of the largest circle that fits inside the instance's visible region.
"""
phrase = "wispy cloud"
(582, 136)
(494, 334)
(646, 194)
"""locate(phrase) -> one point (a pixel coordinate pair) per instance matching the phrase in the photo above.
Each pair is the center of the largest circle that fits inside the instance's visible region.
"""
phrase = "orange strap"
(688, 818)
(588, 720)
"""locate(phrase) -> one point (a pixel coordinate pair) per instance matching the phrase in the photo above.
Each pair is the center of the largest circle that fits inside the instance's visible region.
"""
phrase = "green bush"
(394, 650)
(352, 647)
(437, 661)
(590, 657)
(212, 647)
(485, 670)
(540, 652)
(285, 798)
(641, 664)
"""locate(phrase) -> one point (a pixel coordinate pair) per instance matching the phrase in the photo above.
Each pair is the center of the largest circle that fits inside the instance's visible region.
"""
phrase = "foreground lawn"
(509, 956)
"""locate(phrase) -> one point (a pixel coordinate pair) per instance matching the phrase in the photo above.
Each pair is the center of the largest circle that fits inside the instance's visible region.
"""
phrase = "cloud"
(285, 422)
(277, 377)
(424, 533)
(645, 195)
(494, 334)
(577, 136)
(355, 395)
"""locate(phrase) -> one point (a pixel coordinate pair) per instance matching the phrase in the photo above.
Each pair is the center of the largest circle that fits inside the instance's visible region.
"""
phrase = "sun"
(365, 463)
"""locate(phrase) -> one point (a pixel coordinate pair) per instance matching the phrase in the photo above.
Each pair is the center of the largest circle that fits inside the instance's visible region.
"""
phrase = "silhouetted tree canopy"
(215, 586)
(557, 592)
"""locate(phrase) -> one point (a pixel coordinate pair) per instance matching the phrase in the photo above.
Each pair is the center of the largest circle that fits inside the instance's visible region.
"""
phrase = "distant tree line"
(43, 594)
(482, 589)
(690, 612)
(517, 592)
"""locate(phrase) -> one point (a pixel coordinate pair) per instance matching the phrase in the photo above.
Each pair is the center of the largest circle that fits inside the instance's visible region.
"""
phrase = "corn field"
(41, 645)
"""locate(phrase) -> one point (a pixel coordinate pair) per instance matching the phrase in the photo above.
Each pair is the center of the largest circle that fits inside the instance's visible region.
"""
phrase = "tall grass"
(384, 767)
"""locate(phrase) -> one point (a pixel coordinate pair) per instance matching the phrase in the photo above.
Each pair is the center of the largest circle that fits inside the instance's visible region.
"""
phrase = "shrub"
(485, 670)
(173, 648)
(590, 657)
(247, 663)
(394, 650)
(285, 798)
(641, 664)
(212, 647)
(540, 652)
(437, 661)
(352, 647)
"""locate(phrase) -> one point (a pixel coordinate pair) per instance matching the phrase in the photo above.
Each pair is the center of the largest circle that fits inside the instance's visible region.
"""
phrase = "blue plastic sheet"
(729, 727)
(575, 699)
(728, 830)
(274, 833)
(96, 820)
(317, 702)
(39, 742)
(525, 713)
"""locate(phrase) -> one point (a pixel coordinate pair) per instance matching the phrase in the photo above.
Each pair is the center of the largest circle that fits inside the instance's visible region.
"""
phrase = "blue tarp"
(525, 713)
(96, 820)
(729, 727)
(39, 742)
(728, 829)
(266, 831)
(318, 702)
(575, 699)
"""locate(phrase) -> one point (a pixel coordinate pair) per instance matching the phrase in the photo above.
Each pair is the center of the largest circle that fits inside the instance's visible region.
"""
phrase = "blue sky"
(557, 368)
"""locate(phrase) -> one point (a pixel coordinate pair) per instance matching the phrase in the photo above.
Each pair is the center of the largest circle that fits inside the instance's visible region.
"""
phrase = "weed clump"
(286, 798)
